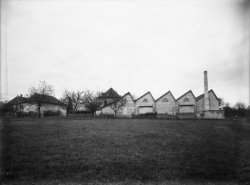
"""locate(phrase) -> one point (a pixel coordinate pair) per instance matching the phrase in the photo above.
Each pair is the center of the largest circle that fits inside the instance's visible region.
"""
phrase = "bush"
(149, 115)
(51, 113)
(108, 115)
(235, 112)
(27, 114)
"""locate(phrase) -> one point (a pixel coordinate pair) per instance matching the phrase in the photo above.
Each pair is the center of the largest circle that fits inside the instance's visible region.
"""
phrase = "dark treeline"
(236, 112)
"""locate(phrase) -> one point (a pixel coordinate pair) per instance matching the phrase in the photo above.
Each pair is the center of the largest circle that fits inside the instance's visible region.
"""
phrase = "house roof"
(45, 99)
(35, 98)
(145, 95)
(17, 100)
(111, 93)
(164, 95)
(202, 95)
(128, 93)
(190, 91)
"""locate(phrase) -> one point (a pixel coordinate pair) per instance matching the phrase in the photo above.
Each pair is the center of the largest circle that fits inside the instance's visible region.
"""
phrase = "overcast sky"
(135, 46)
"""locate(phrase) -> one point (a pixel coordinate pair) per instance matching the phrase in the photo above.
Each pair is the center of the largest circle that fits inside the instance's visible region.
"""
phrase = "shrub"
(51, 113)
(149, 115)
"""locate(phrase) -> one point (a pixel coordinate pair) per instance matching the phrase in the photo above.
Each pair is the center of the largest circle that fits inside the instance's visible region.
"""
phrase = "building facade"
(205, 106)
(28, 106)
(166, 104)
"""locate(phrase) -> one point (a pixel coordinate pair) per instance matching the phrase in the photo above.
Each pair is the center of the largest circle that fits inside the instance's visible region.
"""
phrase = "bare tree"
(240, 105)
(66, 99)
(92, 100)
(117, 105)
(73, 100)
(40, 92)
(222, 102)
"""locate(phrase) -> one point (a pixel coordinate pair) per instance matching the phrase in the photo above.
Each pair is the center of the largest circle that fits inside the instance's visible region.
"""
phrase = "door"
(144, 110)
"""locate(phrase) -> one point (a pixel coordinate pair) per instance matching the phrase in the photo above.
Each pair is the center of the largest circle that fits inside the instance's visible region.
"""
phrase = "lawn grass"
(125, 151)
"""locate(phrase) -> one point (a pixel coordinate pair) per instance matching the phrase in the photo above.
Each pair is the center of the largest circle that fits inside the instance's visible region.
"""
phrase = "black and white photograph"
(125, 92)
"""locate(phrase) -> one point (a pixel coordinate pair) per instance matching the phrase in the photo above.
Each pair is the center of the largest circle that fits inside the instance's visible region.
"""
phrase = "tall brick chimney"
(206, 99)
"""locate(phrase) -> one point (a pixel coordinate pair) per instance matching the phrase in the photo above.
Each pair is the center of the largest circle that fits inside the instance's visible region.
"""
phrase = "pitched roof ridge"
(164, 95)
(200, 96)
(144, 95)
(127, 94)
(110, 93)
(190, 91)
(118, 99)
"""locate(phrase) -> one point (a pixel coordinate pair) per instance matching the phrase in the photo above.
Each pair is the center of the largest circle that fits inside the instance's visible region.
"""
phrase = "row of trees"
(84, 100)
(91, 101)
(236, 111)
(75, 99)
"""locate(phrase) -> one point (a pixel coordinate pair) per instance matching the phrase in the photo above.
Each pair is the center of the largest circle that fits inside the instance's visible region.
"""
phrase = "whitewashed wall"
(163, 107)
(128, 110)
(141, 102)
(28, 107)
(213, 103)
(191, 98)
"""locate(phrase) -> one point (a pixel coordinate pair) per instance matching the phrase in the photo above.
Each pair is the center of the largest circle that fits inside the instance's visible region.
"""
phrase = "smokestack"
(206, 99)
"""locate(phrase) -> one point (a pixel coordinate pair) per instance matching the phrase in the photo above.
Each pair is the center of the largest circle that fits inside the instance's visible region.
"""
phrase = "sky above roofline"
(134, 46)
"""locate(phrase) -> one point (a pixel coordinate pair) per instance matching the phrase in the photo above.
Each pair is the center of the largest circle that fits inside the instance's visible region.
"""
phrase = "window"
(186, 100)
(145, 100)
(165, 100)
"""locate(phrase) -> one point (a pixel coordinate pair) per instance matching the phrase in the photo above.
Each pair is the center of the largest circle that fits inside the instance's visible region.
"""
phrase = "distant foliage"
(3, 107)
(92, 100)
(149, 115)
(118, 104)
(73, 100)
(51, 113)
(239, 110)
(42, 90)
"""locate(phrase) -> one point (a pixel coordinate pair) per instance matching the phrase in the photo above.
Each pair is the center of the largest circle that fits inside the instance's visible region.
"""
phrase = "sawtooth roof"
(145, 95)
(190, 91)
(164, 95)
(202, 95)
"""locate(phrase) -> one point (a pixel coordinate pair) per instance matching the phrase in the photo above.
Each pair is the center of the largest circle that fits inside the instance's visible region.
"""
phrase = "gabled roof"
(211, 90)
(111, 93)
(17, 100)
(186, 94)
(128, 93)
(165, 94)
(145, 95)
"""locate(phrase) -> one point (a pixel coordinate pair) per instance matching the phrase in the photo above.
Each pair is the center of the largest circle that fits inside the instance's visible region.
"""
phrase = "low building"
(49, 105)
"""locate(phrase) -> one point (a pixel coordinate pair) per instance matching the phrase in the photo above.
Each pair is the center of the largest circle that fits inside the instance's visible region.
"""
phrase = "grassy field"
(125, 151)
